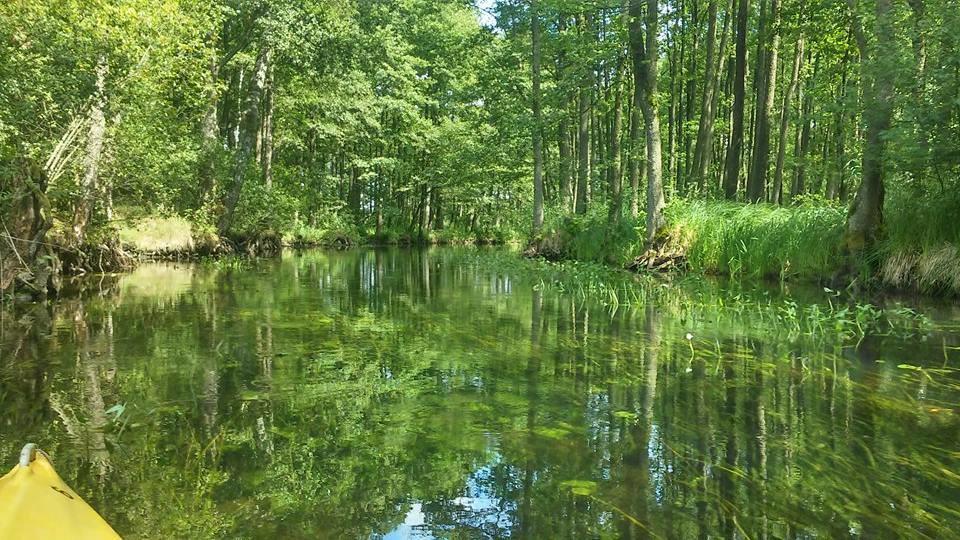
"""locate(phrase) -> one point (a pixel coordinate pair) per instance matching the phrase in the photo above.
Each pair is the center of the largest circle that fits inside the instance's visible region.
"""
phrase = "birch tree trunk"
(249, 127)
(84, 207)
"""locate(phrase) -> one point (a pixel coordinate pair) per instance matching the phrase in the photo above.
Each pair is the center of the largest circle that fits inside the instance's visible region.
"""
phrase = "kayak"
(36, 503)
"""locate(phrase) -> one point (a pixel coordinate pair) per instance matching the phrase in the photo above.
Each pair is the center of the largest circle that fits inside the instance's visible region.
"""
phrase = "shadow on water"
(403, 393)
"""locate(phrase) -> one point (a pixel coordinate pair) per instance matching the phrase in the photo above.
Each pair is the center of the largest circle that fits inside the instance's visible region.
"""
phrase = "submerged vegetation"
(813, 313)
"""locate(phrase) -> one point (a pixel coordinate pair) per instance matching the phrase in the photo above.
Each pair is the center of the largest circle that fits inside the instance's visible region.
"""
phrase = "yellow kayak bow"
(36, 503)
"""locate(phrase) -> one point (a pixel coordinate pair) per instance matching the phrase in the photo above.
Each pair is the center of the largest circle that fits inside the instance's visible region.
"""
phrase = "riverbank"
(802, 242)
(122, 246)
(746, 242)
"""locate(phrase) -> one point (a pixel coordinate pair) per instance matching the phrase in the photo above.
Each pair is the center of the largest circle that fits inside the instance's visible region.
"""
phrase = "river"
(416, 394)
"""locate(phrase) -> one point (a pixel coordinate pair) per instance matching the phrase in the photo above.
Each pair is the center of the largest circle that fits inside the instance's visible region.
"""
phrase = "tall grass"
(717, 237)
(759, 240)
(920, 249)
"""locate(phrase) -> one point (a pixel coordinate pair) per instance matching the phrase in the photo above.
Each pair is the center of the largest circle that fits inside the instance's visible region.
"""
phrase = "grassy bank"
(798, 242)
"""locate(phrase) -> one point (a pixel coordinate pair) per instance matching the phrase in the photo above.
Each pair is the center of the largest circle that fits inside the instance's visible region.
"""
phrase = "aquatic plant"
(719, 302)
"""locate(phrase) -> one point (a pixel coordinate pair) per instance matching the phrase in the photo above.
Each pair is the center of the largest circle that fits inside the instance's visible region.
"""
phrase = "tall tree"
(537, 121)
(614, 174)
(96, 133)
(563, 135)
(731, 178)
(584, 107)
(705, 125)
(865, 219)
(776, 195)
(634, 161)
(766, 90)
(249, 127)
(643, 33)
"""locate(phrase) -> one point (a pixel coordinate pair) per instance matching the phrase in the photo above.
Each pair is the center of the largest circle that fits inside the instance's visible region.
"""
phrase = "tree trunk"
(706, 104)
(537, 123)
(614, 174)
(865, 218)
(84, 207)
(266, 158)
(803, 140)
(731, 178)
(209, 134)
(249, 127)
(757, 182)
(583, 134)
(425, 213)
(634, 158)
(563, 140)
(645, 53)
(777, 195)
(691, 85)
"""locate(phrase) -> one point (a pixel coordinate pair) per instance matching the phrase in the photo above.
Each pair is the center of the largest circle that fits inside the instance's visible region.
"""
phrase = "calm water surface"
(407, 394)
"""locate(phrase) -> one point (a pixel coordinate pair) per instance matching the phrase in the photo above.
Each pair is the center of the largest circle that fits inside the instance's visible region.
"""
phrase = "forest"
(760, 138)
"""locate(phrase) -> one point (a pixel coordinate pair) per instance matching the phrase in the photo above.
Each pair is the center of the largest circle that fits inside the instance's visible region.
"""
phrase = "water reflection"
(404, 394)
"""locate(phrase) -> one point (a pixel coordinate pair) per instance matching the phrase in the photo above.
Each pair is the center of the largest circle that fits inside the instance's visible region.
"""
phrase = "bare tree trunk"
(732, 177)
(777, 195)
(709, 87)
(267, 150)
(249, 127)
(757, 182)
(537, 123)
(614, 173)
(645, 53)
(803, 141)
(563, 140)
(84, 207)
(634, 158)
(583, 135)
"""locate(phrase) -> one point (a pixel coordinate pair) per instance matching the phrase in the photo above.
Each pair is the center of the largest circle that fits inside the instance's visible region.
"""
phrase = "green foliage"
(262, 210)
(332, 229)
(591, 237)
